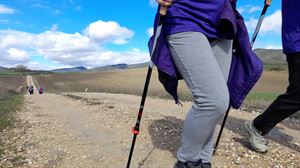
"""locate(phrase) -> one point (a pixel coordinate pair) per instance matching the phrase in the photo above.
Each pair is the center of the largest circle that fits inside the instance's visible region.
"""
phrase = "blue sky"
(48, 34)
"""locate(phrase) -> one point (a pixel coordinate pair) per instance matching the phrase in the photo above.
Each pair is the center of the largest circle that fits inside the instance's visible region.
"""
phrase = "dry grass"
(129, 81)
(11, 84)
(272, 82)
(132, 81)
(270, 85)
(11, 100)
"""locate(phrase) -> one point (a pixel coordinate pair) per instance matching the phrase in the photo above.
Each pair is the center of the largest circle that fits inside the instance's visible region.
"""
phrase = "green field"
(8, 106)
(10, 73)
(276, 67)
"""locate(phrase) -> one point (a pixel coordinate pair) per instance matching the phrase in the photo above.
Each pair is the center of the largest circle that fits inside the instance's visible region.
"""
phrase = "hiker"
(40, 90)
(289, 102)
(31, 90)
(196, 45)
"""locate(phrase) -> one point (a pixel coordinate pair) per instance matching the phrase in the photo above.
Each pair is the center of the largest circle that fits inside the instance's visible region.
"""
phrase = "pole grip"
(268, 2)
(163, 10)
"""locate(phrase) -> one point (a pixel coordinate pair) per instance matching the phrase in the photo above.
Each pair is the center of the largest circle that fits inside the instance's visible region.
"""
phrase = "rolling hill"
(66, 70)
(2, 68)
(120, 66)
(271, 56)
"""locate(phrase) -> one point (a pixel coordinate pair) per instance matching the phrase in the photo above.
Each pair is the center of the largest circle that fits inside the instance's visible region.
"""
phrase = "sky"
(50, 34)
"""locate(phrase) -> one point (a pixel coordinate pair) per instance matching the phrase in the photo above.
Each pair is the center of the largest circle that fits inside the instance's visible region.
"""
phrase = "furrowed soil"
(11, 83)
(131, 81)
(93, 130)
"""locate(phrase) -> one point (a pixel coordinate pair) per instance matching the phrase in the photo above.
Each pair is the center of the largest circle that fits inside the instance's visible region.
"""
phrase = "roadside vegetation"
(257, 101)
(9, 105)
(9, 73)
(276, 67)
(11, 83)
(12, 88)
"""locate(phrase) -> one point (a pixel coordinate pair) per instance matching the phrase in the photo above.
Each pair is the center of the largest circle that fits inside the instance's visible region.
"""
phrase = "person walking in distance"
(287, 103)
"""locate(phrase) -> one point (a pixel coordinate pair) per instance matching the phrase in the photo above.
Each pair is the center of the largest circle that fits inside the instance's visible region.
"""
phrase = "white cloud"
(78, 8)
(150, 31)
(153, 3)
(251, 24)
(6, 10)
(241, 10)
(39, 5)
(110, 57)
(249, 9)
(33, 65)
(136, 50)
(101, 31)
(16, 54)
(4, 21)
(13, 56)
(14, 39)
(254, 9)
(56, 12)
(69, 49)
(273, 47)
(54, 27)
(271, 23)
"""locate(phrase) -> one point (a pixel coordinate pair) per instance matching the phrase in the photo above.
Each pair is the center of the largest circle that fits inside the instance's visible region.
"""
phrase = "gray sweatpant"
(205, 68)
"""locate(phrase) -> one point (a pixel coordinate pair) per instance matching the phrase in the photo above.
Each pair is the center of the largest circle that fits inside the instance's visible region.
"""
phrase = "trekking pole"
(136, 128)
(261, 18)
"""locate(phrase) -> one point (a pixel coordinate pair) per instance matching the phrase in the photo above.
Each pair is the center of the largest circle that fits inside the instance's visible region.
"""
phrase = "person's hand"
(164, 3)
(268, 2)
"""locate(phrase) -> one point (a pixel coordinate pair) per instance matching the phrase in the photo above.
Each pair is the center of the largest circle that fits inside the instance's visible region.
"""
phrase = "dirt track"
(93, 130)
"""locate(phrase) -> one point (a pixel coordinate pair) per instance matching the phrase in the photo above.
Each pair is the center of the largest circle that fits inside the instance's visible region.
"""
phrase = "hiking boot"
(197, 164)
(180, 164)
(257, 141)
(206, 165)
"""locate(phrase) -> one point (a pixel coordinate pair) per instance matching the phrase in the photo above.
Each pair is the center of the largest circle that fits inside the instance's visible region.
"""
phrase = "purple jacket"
(190, 15)
(246, 67)
(291, 26)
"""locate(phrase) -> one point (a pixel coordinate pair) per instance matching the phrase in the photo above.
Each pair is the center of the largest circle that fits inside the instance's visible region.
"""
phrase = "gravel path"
(93, 130)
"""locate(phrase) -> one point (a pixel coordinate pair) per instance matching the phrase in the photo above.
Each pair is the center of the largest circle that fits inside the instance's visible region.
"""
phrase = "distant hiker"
(31, 90)
(40, 90)
(288, 103)
(196, 45)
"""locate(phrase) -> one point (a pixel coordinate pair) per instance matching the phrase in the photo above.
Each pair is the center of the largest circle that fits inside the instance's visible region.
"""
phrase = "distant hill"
(2, 68)
(140, 65)
(66, 70)
(271, 56)
(268, 56)
(111, 67)
(119, 66)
